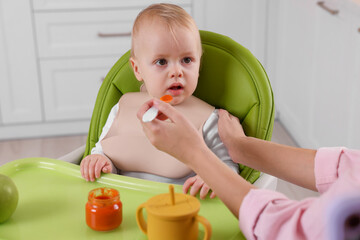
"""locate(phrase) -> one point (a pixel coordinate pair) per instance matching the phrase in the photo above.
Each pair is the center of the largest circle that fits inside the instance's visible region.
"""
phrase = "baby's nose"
(176, 72)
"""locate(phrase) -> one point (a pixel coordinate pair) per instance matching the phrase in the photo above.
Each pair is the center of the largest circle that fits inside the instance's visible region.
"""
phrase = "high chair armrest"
(75, 156)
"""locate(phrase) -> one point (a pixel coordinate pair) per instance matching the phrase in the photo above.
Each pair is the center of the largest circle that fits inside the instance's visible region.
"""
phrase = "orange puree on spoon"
(152, 112)
(166, 98)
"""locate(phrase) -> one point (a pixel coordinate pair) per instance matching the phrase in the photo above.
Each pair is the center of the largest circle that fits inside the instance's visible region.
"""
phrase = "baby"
(165, 55)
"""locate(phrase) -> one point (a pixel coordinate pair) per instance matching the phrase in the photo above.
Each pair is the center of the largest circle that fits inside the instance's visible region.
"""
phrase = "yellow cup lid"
(184, 205)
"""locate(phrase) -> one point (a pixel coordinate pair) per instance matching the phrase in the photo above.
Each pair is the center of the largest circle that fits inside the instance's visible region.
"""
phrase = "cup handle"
(206, 225)
(140, 218)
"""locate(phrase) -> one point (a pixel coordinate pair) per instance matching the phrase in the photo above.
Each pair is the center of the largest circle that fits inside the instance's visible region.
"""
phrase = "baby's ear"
(135, 67)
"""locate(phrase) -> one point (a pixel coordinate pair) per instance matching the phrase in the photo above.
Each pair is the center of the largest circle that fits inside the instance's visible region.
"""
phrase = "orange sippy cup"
(172, 216)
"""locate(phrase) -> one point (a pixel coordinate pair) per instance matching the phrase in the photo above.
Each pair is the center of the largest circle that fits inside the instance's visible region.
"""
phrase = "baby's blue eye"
(161, 62)
(187, 60)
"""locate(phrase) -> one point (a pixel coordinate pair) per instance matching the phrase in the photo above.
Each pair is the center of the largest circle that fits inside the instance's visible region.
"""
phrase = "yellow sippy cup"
(172, 216)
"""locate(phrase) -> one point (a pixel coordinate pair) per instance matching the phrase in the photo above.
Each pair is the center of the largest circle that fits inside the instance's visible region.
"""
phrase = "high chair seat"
(231, 78)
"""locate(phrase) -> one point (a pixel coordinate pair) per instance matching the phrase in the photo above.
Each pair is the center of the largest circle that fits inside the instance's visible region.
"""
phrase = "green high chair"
(231, 78)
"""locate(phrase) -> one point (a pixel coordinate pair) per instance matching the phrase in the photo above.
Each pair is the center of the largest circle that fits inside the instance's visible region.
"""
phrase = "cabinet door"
(293, 71)
(70, 86)
(19, 85)
(354, 126)
(74, 34)
(317, 75)
(332, 81)
(243, 21)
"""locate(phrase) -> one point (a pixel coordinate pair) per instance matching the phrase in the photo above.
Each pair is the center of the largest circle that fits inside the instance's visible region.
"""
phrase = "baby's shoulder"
(196, 109)
(199, 103)
(134, 97)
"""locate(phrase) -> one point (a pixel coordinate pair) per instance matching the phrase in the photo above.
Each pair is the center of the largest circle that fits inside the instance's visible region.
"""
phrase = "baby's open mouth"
(176, 87)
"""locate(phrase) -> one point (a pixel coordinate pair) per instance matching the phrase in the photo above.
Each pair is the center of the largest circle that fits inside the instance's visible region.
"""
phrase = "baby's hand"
(92, 165)
(196, 183)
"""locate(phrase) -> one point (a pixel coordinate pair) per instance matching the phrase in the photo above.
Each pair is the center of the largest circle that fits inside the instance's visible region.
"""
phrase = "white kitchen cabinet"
(354, 126)
(291, 62)
(332, 83)
(76, 49)
(20, 100)
(315, 70)
(84, 34)
(70, 86)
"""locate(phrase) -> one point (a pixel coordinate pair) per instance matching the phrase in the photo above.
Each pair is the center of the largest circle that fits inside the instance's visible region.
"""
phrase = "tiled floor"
(58, 146)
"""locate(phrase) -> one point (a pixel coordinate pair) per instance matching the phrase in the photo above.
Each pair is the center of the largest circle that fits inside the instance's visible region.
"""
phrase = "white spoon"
(152, 112)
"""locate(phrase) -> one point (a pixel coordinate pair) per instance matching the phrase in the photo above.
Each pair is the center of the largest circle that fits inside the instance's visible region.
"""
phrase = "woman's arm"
(228, 185)
(295, 165)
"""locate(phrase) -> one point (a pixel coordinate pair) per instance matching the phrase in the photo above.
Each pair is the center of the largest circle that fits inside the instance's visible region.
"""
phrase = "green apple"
(9, 197)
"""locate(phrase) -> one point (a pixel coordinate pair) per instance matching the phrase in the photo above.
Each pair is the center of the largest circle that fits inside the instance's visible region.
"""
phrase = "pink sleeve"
(267, 214)
(330, 163)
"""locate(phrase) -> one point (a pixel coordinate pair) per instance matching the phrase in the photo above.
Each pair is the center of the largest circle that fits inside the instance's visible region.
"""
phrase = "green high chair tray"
(52, 198)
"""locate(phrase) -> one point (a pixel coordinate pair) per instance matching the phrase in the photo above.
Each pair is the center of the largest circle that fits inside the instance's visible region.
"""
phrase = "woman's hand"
(174, 136)
(230, 131)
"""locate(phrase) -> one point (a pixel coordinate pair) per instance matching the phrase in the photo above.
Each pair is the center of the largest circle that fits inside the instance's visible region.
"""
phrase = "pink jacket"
(266, 214)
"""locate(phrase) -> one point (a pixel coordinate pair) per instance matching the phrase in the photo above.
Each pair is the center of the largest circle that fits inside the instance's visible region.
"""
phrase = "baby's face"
(166, 65)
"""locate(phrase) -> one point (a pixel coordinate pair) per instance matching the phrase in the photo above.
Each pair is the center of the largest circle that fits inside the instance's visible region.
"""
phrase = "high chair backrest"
(230, 78)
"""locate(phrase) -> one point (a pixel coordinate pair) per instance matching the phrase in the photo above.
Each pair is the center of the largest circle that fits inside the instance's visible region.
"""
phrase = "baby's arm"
(214, 143)
(92, 165)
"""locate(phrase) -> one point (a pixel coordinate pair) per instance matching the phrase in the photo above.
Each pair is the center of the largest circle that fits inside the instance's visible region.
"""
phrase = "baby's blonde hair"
(171, 15)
